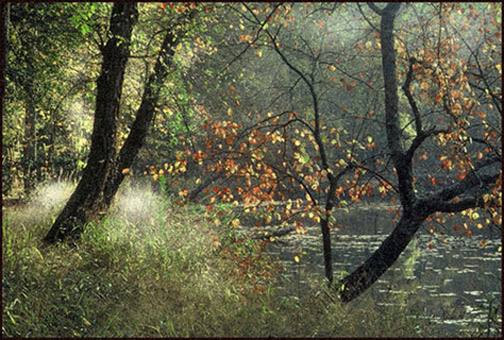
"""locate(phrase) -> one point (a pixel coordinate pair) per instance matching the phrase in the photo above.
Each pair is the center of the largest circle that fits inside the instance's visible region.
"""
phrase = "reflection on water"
(454, 285)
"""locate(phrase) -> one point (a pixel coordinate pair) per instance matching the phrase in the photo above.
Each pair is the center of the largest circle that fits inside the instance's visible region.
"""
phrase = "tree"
(5, 34)
(84, 202)
(298, 148)
(38, 88)
(429, 121)
(105, 170)
(470, 192)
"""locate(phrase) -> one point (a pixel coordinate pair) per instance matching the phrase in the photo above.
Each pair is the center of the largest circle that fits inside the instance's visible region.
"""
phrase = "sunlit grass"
(152, 268)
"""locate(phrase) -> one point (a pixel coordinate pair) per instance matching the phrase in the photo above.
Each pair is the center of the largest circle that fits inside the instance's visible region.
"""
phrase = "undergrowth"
(154, 269)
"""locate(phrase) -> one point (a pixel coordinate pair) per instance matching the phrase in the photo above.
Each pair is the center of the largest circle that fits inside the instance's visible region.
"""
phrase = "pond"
(451, 281)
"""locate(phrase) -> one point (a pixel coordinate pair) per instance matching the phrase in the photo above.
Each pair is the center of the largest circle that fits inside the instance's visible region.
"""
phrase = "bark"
(145, 113)
(415, 210)
(84, 203)
(29, 145)
(5, 47)
(381, 260)
(326, 247)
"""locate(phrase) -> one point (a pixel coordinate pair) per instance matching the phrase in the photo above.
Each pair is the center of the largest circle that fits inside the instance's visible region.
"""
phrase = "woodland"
(154, 153)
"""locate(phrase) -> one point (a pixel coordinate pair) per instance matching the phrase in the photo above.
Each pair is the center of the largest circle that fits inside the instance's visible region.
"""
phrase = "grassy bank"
(155, 269)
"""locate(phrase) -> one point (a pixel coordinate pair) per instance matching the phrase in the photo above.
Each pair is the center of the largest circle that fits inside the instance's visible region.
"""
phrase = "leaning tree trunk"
(364, 276)
(414, 209)
(85, 200)
(381, 260)
(145, 113)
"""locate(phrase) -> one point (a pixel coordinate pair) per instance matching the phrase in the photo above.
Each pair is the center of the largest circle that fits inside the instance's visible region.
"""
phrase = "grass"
(153, 269)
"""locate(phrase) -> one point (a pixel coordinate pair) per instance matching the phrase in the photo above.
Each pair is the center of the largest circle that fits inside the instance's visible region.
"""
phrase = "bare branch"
(407, 91)
(375, 8)
(366, 18)
(256, 37)
(454, 207)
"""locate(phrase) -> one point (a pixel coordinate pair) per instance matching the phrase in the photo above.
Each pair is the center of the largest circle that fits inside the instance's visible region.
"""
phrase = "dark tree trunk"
(145, 113)
(5, 47)
(29, 144)
(326, 247)
(365, 275)
(381, 260)
(84, 203)
(415, 210)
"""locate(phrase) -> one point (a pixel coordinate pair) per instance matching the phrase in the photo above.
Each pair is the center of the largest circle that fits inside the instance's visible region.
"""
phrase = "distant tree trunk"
(85, 202)
(5, 47)
(29, 142)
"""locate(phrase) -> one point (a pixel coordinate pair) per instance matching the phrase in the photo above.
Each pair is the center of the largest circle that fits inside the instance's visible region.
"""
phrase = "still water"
(451, 281)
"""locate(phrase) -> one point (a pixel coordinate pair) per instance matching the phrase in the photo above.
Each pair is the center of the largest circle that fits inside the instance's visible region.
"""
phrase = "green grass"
(154, 269)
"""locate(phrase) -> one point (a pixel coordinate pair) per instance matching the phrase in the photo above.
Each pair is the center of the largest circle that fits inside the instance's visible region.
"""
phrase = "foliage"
(272, 108)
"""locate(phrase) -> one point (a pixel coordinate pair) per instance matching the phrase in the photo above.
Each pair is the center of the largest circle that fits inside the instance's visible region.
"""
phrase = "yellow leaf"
(236, 222)
(125, 171)
(296, 259)
(155, 177)
(332, 67)
(424, 86)
(259, 54)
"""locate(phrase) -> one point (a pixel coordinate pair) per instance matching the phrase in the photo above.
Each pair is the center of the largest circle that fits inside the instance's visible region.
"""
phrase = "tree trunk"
(381, 260)
(326, 246)
(145, 113)
(364, 276)
(5, 47)
(415, 209)
(84, 203)
(29, 144)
